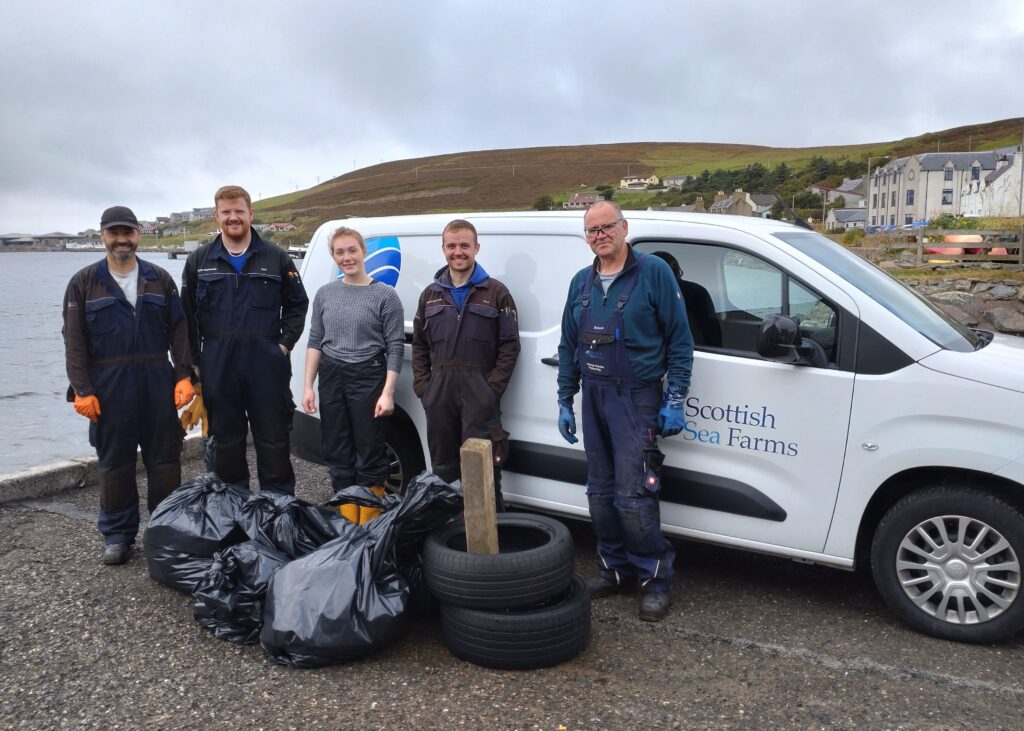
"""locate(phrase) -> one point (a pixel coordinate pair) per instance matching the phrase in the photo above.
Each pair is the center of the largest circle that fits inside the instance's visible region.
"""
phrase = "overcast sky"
(155, 104)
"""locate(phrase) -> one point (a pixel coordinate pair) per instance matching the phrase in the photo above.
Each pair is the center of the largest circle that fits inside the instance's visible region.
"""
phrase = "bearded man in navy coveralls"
(246, 308)
(624, 329)
(121, 317)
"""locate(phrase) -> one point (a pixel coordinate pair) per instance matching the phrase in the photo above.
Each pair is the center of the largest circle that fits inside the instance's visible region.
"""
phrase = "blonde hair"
(346, 231)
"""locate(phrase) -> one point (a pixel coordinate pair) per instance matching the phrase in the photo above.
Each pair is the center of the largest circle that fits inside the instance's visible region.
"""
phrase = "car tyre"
(948, 562)
(534, 563)
(405, 458)
(521, 639)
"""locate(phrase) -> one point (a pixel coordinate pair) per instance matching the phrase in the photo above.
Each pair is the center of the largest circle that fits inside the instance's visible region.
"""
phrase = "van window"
(740, 289)
(907, 305)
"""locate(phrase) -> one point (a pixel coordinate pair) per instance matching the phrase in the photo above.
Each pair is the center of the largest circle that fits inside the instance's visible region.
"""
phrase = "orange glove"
(87, 406)
(183, 392)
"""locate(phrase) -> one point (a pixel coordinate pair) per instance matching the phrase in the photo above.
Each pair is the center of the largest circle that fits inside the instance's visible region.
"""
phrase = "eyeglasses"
(595, 231)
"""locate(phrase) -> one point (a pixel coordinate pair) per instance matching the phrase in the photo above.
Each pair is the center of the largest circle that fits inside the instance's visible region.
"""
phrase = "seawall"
(65, 474)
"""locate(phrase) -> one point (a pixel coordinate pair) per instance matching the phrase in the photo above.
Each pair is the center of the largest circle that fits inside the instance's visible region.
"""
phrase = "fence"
(925, 239)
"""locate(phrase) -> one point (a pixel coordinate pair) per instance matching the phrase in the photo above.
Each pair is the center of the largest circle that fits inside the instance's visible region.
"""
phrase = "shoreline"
(66, 474)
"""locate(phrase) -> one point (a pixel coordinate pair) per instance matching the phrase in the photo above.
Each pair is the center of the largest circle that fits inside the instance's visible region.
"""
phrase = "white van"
(889, 434)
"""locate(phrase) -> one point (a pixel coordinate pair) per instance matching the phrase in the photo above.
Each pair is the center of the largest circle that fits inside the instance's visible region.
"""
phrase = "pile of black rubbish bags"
(311, 587)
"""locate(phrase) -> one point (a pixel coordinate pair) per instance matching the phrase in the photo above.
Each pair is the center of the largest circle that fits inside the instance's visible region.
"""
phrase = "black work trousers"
(246, 387)
(353, 440)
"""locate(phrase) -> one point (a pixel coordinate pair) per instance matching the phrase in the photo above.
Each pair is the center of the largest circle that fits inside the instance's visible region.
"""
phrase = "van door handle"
(552, 361)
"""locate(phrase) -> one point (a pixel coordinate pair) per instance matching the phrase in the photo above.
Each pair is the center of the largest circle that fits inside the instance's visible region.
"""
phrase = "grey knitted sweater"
(352, 323)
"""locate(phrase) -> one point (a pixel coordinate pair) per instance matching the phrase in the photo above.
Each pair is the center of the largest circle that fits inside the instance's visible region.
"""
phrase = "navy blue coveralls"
(120, 355)
(620, 430)
(236, 323)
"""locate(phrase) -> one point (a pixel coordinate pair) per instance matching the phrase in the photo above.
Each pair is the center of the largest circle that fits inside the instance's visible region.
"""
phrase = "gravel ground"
(752, 641)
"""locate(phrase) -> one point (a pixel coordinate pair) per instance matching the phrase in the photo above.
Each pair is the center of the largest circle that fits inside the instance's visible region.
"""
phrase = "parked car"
(883, 434)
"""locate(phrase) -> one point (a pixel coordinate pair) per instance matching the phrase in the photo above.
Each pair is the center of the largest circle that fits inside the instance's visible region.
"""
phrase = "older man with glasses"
(624, 329)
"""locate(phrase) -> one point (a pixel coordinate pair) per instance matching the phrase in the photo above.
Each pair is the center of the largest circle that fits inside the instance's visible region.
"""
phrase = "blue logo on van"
(383, 259)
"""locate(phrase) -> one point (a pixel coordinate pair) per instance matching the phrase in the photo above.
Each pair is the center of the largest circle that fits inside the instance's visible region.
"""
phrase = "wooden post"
(1020, 246)
(478, 496)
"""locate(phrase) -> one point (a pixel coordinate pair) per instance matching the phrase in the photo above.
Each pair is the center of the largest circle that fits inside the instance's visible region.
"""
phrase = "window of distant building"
(948, 174)
(947, 197)
(874, 200)
(873, 222)
(893, 204)
(884, 199)
(892, 220)
(975, 172)
(908, 219)
(910, 197)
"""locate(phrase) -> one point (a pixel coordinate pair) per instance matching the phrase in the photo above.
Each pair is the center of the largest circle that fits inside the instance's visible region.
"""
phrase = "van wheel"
(948, 562)
(537, 637)
(405, 458)
(534, 563)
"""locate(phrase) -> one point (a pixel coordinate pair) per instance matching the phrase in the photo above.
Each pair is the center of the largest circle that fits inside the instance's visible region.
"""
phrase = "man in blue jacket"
(624, 329)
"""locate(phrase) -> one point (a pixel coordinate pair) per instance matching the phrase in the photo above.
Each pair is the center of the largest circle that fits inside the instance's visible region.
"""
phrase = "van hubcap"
(958, 569)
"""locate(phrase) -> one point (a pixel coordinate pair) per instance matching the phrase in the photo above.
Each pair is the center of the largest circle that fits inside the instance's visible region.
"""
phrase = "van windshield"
(900, 300)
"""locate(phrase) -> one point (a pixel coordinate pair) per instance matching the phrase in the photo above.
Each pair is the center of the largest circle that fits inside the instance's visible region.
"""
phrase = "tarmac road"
(751, 642)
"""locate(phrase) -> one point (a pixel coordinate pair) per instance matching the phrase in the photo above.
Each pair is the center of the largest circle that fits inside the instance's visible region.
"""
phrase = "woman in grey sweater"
(356, 344)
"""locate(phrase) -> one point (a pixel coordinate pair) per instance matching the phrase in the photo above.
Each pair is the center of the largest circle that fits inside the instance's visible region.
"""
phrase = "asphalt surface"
(751, 642)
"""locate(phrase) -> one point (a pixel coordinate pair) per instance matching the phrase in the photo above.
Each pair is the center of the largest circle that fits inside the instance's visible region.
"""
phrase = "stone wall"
(984, 301)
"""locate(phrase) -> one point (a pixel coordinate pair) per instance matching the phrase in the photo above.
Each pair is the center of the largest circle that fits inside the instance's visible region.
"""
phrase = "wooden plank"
(478, 496)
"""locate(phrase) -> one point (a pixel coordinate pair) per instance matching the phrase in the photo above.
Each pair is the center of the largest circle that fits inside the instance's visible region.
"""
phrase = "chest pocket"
(212, 291)
(438, 326)
(480, 323)
(154, 310)
(266, 291)
(101, 316)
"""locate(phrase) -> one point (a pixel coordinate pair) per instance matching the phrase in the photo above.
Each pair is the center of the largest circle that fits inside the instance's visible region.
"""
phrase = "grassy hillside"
(514, 179)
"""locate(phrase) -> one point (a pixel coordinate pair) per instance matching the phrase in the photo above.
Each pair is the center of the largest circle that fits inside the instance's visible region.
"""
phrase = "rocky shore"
(989, 295)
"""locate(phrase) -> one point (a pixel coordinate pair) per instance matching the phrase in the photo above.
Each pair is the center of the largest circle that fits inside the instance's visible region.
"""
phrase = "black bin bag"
(288, 524)
(229, 598)
(188, 527)
(350, 597)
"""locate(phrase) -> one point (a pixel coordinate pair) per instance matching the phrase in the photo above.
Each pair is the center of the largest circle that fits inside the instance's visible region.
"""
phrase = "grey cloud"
(158, 104)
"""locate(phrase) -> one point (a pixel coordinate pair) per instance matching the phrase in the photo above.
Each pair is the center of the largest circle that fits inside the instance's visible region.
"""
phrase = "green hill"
(513, 179)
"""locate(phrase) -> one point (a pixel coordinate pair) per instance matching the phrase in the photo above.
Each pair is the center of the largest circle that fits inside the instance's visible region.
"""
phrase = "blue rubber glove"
(670, 418)
(567, 421)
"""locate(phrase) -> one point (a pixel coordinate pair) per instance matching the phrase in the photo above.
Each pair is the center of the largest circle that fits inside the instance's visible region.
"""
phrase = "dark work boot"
(654, 606)
(115, 553)
(606, 585)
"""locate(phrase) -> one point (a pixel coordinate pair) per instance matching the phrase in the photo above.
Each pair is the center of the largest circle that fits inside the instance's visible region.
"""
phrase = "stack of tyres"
(518, 609)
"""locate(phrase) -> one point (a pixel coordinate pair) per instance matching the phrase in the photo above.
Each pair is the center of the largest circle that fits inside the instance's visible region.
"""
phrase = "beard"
(121, 253)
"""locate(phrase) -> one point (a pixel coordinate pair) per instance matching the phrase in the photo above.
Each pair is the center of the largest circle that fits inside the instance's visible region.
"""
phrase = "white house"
(843, 219)
(995, 194)
(923, 187)
(638, 182)
(676, 181)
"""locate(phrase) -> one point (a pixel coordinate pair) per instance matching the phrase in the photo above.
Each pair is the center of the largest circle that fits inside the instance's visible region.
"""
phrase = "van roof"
(437, 221)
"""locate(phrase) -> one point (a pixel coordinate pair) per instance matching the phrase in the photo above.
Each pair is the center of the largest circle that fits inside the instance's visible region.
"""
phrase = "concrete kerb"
(66, 474)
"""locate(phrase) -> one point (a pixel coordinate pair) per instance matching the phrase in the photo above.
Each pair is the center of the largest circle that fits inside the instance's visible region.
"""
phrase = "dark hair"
(672, 262)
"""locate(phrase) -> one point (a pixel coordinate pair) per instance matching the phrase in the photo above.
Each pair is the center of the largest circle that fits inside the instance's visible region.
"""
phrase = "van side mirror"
(780, 341)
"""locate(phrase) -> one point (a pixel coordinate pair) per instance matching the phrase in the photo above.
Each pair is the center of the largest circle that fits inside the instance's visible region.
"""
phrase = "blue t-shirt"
(459, 295)
(237, 262)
